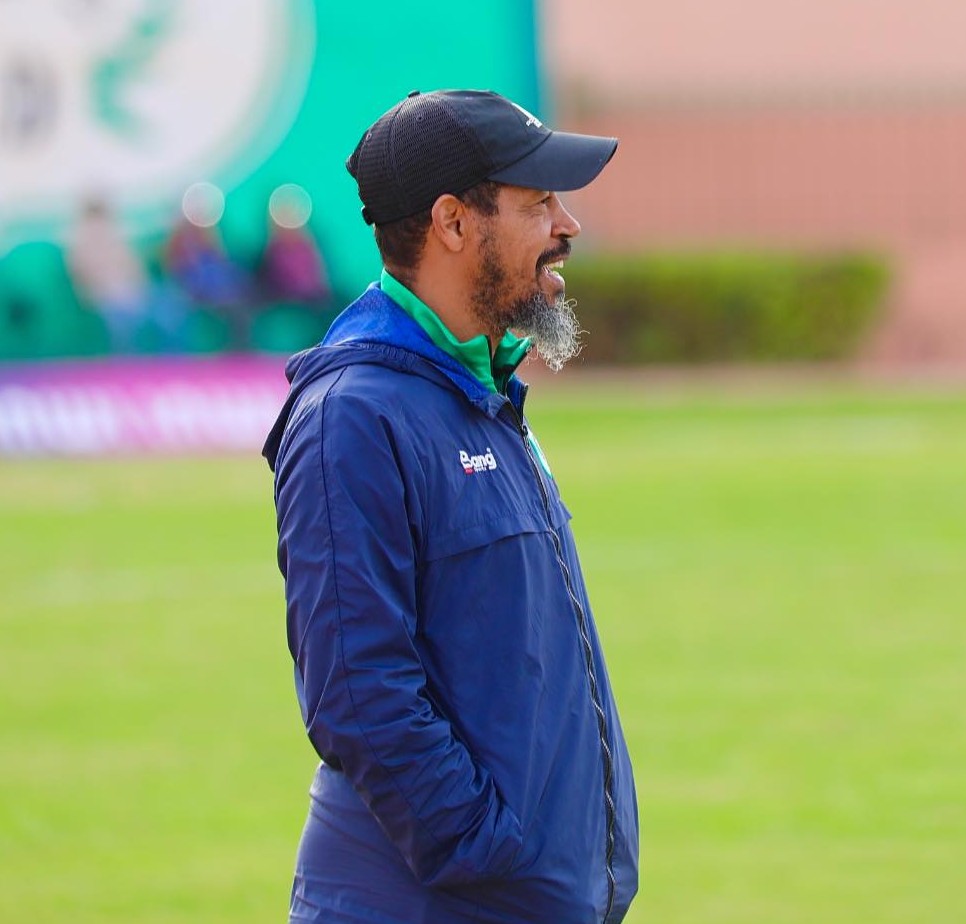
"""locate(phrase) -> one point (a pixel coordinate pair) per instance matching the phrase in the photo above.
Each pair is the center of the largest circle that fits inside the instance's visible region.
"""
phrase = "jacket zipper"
(608, 760)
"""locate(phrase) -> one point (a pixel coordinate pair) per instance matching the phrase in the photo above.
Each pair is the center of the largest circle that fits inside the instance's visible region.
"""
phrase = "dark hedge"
(693, 308)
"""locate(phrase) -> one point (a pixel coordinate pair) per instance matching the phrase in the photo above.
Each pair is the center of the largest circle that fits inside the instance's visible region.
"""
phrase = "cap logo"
(530, 117)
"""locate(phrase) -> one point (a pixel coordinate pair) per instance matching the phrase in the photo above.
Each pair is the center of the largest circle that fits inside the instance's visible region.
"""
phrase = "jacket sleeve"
(347, 554)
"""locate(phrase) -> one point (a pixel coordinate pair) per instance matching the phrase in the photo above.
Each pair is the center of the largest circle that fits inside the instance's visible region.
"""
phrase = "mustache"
(552, 256)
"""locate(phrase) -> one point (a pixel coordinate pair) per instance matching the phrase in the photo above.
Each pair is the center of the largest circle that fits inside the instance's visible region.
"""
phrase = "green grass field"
(779, 577)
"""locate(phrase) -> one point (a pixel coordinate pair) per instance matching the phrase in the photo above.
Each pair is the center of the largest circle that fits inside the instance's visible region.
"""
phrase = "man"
(447, 665)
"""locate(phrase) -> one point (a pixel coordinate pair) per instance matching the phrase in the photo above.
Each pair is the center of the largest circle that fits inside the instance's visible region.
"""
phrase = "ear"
(450, 222)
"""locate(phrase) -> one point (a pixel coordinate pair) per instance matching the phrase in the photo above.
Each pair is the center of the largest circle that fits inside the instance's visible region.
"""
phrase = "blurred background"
(172, 183)
(762, 441)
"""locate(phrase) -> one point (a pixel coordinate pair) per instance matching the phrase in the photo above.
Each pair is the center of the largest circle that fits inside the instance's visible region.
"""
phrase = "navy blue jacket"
(446, 660)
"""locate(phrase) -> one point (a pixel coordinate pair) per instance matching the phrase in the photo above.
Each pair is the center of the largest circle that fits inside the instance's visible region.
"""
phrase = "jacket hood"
(375, 330)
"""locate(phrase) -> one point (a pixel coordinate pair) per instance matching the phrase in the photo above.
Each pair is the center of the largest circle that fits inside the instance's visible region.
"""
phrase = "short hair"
(401, 242)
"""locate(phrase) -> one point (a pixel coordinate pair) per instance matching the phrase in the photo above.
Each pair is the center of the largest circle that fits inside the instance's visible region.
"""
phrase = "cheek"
(520, 261)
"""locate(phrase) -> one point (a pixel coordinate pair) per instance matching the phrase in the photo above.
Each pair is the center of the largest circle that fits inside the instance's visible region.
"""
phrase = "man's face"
(516, 284)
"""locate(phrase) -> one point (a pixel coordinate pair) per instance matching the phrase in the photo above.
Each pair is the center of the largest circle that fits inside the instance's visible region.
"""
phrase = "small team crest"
(538, 452)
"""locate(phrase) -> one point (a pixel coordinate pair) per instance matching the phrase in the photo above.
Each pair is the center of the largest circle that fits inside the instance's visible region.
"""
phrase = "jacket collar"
(492, 371)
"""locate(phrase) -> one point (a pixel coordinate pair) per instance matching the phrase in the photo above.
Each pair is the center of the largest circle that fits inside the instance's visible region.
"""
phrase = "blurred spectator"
(109, 278)
(292, 268)
(197, 261)
(107, 275)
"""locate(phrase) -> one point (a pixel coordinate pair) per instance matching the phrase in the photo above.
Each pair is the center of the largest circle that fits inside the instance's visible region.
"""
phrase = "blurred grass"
(779, 577)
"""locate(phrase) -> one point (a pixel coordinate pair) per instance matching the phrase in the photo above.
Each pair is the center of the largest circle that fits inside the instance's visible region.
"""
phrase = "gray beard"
(553, 328)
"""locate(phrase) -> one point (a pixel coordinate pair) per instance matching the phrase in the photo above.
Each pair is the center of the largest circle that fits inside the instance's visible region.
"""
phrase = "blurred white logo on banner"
(135, 99)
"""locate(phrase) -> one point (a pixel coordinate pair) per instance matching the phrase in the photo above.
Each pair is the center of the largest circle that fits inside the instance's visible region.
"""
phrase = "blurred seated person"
(108, 277)
(197, 261)
(292, 268)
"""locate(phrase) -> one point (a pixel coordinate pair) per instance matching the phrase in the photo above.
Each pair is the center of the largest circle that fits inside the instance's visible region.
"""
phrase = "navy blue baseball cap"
(449, 140)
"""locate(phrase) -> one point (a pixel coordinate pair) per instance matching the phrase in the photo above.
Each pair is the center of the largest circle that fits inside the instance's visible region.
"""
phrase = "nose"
(564, 224)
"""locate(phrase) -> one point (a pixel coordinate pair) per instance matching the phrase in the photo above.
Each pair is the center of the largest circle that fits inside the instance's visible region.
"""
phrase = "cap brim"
(564, 161)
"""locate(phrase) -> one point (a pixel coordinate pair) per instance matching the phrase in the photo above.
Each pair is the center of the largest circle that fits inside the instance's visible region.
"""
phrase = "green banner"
(134, 101)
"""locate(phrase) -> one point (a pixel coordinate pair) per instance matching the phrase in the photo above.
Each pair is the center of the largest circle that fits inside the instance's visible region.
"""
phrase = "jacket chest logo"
(474, 464)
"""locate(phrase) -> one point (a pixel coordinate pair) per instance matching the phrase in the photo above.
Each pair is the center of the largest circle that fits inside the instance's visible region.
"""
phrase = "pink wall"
(636, 49)
(750, 123)
(890, 177)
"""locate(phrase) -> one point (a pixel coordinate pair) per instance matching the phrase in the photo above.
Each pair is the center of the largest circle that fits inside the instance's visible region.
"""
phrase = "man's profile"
(473, 767)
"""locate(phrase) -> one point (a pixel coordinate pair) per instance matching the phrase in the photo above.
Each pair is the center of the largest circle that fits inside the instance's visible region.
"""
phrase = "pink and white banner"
(124, 406)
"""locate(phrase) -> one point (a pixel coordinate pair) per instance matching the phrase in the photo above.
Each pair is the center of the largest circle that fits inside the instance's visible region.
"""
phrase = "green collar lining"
(474, 353)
